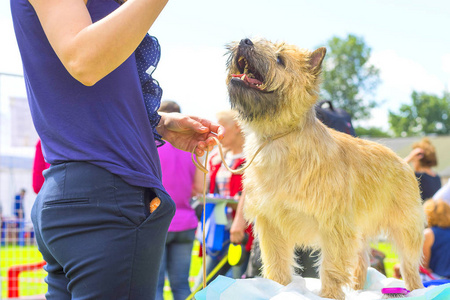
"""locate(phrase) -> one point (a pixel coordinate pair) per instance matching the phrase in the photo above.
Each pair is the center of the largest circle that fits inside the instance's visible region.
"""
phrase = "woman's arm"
(90, 51)
(428, 243)
(415, 154)
(237, 230)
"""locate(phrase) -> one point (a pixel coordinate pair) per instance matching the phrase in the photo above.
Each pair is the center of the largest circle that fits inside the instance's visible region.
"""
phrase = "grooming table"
(224, 288)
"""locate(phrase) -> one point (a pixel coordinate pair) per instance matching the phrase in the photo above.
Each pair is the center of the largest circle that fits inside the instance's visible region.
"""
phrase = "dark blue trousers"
(97, 235)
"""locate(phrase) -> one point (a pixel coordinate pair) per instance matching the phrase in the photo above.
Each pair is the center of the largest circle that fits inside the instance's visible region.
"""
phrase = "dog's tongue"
(247, 79)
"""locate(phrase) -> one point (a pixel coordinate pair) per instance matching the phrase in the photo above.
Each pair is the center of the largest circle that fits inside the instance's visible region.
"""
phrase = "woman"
(222, 182)
(423, 158)
(39, 165)
(182, 180)
(436, 257)
(95, 220)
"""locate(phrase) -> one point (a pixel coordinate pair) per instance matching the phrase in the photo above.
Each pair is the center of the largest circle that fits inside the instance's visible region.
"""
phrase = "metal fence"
(21, 272)
(21, 264)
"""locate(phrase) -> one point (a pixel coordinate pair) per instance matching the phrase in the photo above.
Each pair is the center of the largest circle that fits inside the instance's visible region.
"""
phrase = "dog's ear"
(316, 59)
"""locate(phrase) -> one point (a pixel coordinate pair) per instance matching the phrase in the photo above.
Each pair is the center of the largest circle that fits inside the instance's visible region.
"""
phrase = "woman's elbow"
(87, 81)
(83, 72)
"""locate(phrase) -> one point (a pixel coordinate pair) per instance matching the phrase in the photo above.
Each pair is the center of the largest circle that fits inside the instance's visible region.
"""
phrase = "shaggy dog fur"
(316, 187)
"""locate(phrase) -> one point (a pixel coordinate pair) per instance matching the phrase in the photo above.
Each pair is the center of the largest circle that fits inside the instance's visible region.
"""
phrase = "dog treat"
(154, 204)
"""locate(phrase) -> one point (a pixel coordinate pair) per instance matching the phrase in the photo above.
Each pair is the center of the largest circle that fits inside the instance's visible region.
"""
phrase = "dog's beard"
(252, 104)
(249, 88)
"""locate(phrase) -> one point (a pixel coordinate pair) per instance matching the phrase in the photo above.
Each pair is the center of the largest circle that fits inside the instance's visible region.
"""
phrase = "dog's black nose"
(246, 42)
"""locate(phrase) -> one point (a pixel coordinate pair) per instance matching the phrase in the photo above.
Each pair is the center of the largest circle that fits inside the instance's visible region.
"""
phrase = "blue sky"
(409, 39)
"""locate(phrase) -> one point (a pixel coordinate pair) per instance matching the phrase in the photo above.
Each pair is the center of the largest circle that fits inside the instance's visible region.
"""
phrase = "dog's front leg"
(276, 252)
(339, 249)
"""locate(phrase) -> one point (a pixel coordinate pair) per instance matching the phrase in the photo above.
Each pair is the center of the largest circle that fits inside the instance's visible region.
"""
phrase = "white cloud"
(446, 63)
(378, 118)
(10, 61)
(403, 75)
(400, 76)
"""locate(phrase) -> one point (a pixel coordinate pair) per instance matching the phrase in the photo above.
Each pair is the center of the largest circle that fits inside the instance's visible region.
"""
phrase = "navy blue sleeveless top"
(440, 254)
(428, 184)
(105, 124)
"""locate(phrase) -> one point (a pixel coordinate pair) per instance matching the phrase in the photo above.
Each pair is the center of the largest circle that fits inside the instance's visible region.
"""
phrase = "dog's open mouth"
(248, 75)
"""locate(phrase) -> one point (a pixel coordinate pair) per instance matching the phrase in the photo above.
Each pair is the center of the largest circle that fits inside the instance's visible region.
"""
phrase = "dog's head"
(272, 80)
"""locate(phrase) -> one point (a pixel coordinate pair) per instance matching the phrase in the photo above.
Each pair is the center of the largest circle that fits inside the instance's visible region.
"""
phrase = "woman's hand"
(415, 154)
(237, 231)
(188, 132)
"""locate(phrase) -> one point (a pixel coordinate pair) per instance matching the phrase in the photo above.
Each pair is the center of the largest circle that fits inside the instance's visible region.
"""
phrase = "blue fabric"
(147, 55)
(215, 288)
(147, 58)
(440, 292)
(435, 282)
(429, 185)
(176, 262)
(106, 124)
(97, 235)
(217, 235)
(18, 206)
(440, 255)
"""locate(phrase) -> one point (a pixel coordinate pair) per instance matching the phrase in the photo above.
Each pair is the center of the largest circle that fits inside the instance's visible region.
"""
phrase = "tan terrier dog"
(312, 186)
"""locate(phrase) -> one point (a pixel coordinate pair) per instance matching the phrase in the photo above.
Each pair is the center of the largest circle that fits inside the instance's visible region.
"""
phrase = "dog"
(311, 186)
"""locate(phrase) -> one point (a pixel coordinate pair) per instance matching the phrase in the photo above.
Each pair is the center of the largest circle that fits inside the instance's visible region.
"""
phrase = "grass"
(32, 283)
(391, 257)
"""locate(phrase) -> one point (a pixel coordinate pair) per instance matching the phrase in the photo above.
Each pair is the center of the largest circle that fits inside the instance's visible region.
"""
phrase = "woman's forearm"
(90, 51)
(115, 37)
(427, 244)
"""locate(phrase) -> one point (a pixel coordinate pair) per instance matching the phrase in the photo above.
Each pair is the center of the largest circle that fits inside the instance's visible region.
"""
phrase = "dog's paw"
(337, 294)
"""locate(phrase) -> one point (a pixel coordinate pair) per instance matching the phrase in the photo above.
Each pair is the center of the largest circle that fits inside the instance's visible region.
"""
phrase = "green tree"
(428, 114)
(371, 132)
(349, 80)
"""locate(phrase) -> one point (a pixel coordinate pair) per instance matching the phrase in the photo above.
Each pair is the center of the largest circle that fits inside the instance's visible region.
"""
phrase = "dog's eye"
(280, 60)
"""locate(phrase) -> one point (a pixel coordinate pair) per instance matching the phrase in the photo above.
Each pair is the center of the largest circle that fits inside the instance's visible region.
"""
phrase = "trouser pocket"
(139, 204)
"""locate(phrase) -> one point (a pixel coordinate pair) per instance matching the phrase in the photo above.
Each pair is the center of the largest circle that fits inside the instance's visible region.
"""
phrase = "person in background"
(423, 158)
(102, 214)
(39, 165)
(436, 254)
(436, 257)
(19, 211)
(182, 180)
(223, 183)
